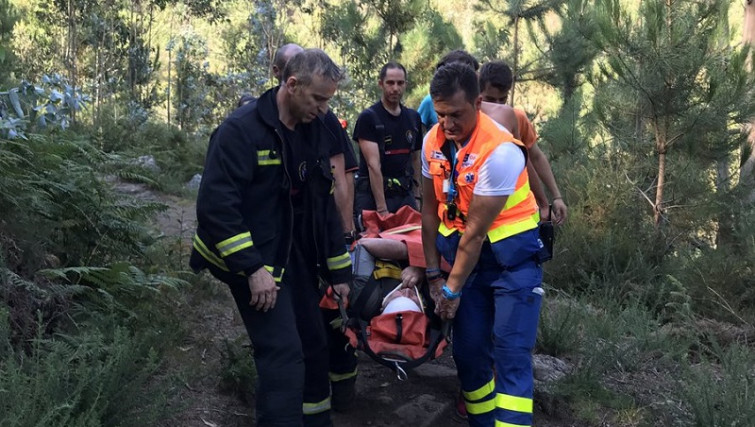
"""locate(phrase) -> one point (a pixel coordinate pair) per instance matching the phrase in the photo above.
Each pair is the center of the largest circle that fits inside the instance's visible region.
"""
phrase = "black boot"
(343, 394)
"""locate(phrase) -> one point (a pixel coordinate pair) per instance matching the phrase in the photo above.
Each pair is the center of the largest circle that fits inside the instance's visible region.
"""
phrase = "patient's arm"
(393, 250)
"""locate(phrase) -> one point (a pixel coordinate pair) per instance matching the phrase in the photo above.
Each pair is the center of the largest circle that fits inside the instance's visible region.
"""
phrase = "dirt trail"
(424, 399)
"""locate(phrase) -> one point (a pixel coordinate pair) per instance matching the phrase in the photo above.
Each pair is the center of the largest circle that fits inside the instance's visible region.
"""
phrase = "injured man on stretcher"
(396, 238)
(389, 313)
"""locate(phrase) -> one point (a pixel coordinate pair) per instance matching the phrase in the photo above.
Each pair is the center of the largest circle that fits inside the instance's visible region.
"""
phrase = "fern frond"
(128, 175)
(65, 273)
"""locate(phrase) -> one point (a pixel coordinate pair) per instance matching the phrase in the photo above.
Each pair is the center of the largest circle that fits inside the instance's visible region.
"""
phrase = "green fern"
(132, 176)
(81, 326)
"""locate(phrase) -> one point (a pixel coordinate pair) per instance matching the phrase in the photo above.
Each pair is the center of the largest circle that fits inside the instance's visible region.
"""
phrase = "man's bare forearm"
(376, 186)
(430, 223)
(535, 186)
(343, 196)
(482, 212)
(544, 171)
(417, 167)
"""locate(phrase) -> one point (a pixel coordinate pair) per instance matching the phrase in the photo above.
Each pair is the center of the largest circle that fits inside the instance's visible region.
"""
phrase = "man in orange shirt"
(495, 82)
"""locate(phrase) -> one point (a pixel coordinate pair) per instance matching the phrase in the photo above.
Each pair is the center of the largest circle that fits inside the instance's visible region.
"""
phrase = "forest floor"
(210, 321)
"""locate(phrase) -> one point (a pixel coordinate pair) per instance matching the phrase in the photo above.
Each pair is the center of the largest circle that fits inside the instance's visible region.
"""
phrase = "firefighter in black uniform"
(268, 227)
(343, 163)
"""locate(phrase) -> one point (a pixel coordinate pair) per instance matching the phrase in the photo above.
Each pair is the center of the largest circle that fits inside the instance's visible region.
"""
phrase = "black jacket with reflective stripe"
(245, 189)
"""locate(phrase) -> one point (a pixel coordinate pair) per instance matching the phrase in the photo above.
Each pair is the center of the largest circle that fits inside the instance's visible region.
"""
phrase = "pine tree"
(517, 13)
(747, 171)
(676, 86)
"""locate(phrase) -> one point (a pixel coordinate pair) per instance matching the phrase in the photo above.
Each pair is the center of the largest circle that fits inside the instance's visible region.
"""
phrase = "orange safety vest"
(520, 212)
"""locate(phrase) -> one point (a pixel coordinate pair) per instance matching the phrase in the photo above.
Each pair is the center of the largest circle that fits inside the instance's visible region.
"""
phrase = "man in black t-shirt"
(390, 139)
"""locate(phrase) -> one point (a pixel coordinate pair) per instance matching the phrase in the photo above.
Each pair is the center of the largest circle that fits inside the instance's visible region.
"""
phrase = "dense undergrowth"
(86, 302)
(657, 324)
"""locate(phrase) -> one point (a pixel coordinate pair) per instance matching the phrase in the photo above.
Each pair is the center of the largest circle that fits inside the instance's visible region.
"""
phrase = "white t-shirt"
(498, 175)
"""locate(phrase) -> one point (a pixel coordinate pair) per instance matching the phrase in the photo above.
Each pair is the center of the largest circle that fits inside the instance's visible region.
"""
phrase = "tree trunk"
(170, 64)
(725, 231)
(662, 126)
(72, 50)
(747, 171)
(661, 139)
(515, 70)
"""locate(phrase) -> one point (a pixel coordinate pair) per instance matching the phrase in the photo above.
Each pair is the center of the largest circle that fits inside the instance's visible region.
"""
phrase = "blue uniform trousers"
(495, 330)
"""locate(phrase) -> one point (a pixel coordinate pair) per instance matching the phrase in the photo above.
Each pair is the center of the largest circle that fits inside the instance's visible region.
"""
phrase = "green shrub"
(178, 155)
(559, 329)
(608, 241)
(720, 392)
(79, 345)
(90, 378)
(239, 373)
(720, 283)
(589, 398)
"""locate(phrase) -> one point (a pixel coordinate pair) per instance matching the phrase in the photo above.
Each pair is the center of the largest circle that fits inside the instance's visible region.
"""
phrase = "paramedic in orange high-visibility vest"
(479, 214)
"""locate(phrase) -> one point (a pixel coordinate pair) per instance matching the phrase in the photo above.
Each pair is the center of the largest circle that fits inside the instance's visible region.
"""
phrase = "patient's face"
(409, 295)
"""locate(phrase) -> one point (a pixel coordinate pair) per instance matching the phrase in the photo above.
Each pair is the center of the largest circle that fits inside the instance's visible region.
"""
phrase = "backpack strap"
(380, 128)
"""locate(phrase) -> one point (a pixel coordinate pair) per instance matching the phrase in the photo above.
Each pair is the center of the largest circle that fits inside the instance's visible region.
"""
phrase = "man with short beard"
(389, 137)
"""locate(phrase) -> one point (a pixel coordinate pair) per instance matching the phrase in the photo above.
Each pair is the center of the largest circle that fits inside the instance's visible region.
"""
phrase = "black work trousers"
(343, 357)
(290, 345)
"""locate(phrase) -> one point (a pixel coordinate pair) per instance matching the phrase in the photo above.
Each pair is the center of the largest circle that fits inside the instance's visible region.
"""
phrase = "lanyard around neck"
(452, 177)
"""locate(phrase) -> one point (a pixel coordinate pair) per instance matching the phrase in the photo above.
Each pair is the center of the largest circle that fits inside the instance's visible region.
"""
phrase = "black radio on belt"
(451, 211)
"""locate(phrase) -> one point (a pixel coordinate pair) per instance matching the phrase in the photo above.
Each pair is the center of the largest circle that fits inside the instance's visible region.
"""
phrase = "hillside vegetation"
(643, 108)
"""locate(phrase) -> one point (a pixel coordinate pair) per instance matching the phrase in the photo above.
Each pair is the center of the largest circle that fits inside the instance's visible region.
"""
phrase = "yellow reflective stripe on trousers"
(502, 424)
(340, 377)
(507, 230)
(271, 270)
(207, 254)
(263, 158)
(478, 408)
(338, 262)
(316, 408)
(518, 196)
(234, 244)
(481, 392)
(445, 231)
(513, 403)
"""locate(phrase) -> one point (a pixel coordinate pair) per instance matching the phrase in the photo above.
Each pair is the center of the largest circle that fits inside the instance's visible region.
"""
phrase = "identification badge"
(446, 186)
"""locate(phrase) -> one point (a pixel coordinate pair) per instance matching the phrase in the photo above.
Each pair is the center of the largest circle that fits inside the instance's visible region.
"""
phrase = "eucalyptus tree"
(8, 18)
